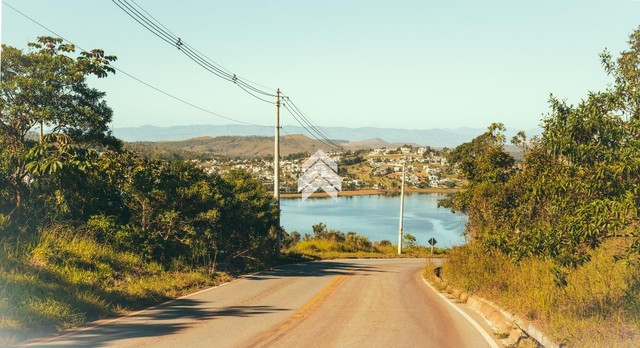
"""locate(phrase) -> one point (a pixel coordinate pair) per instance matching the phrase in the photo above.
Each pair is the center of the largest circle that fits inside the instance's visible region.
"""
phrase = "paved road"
(344, 303)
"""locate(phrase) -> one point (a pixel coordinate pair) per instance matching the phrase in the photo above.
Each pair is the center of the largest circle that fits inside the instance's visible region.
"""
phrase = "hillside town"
(370, 169)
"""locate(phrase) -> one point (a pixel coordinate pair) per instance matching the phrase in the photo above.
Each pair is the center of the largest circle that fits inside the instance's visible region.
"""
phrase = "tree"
(42, 90)
(291, 239)
(626, 73)
(319, 230)
(578, 185)
(250, 230)
(520, 141)
(484, 158)
(409, 241)
(486, 166)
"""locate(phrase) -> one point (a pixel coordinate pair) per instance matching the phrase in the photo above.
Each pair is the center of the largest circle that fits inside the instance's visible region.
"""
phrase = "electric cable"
(312, 129)
(161, 31)
(308, 129)
(135, 78)
(310, 123)
(152, 24)
(290, 137)
(156, 27)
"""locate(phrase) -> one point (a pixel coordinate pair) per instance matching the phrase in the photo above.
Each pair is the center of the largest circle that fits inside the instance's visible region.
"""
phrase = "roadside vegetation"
(555, 238)
(333, 244)
(64, 279)
(88, 229)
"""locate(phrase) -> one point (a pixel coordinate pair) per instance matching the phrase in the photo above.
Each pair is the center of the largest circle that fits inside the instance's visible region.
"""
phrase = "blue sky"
(402, 64)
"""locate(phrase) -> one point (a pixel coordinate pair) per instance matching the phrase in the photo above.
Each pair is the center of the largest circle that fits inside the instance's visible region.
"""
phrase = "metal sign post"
(432, 241)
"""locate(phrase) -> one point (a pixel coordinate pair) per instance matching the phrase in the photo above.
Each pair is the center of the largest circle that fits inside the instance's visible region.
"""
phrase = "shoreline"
(371, 192)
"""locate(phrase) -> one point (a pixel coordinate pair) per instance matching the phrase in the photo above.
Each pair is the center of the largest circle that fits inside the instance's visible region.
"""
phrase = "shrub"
(68, 278)
(599, 305)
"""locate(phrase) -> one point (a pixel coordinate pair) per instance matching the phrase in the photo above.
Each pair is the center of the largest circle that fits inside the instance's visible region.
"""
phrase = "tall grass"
(598, 304)
(320, 248)
(65, 279)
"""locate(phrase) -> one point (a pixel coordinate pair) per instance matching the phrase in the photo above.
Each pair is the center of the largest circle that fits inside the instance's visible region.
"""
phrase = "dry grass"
(599, 306)
(331, 249)
(66, 280)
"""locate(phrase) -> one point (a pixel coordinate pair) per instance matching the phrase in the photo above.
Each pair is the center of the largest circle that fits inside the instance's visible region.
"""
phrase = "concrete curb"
(507, 322)
(503, 322)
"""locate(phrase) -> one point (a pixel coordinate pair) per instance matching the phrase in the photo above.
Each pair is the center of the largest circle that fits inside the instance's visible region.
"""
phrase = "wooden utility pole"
(276, 170)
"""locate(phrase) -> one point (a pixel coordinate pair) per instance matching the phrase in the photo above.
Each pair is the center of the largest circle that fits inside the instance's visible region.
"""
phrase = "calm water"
(377, 217)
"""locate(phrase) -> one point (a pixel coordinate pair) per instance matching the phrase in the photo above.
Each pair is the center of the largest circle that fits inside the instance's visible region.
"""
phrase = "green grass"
(599, 306)
(65, 279)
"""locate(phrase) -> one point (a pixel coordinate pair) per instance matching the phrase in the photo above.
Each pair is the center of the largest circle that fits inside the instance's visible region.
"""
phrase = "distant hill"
(431, 137)
(230, 146)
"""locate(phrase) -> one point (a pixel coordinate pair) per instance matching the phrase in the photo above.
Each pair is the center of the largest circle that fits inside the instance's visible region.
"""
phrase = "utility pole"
(401, 211)
(276, 170)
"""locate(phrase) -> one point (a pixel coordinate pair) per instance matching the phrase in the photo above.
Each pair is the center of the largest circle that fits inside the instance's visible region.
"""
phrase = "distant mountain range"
(430, 137)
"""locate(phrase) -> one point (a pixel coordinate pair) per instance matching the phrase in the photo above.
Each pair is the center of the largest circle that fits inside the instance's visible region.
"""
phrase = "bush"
(356, 242)
(67, 278)
(599, 305)
(291, 239)
(385, 243)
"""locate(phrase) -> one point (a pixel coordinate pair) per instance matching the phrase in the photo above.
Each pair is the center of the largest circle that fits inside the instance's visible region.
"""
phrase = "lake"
(377, 217)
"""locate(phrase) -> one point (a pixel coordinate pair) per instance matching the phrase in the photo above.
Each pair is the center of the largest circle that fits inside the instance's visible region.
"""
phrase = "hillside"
(230, 146)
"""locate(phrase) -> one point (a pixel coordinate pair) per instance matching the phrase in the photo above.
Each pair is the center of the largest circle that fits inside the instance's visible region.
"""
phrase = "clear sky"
(405, 64)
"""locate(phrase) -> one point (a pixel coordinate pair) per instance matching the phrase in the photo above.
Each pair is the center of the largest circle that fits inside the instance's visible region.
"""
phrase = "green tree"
(250, 227)
(168, 209)
(45, 89)
(520, 141)
(409, 240)
(484, 159)
(578, 185)
(487, 166)
(320, 231)
(291, 239)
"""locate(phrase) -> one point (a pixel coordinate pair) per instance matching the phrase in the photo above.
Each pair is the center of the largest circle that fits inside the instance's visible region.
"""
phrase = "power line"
(223, 68)
(146, 23)
(308, 125)
(311, 133)
(310, 130)
(145, 19)
(319, 130)
(156, 27)
(135, 78)
(290, 137)
(189, 103)
(198, 52)
(152, 17)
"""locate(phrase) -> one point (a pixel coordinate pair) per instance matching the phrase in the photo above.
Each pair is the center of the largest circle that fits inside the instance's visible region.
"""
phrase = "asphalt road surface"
(342, 303)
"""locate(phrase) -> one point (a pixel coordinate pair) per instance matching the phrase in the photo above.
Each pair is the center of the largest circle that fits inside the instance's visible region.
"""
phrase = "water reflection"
(377, 217)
